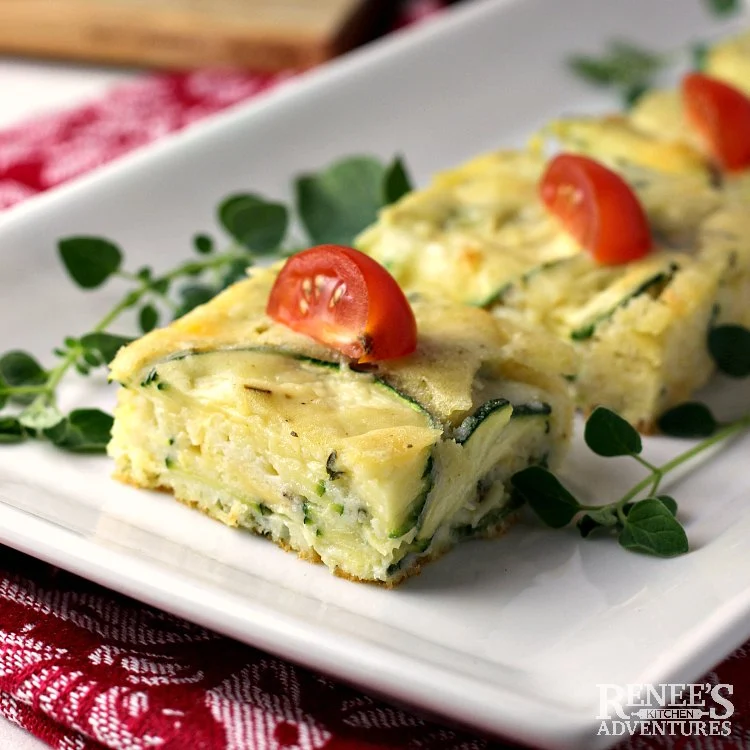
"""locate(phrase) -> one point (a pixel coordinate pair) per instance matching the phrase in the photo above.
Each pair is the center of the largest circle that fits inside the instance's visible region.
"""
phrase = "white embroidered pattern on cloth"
(50, 150)
(79, 664)
(87, 669)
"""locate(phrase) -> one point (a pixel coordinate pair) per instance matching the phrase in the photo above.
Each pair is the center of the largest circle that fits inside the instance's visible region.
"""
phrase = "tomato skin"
(721, 114)
(597, 207)
(344, 299)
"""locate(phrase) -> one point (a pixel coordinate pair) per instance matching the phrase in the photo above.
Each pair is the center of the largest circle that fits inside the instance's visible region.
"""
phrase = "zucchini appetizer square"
(726, 149)
(693, 204)
(700, 119)
(371, 469)
(479, 234)
(671, 178)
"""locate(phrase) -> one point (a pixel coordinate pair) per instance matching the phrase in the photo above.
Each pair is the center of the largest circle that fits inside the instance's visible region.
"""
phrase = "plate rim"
(275, 631)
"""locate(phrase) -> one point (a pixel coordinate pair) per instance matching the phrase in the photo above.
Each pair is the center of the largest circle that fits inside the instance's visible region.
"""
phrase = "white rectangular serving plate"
(510, 636)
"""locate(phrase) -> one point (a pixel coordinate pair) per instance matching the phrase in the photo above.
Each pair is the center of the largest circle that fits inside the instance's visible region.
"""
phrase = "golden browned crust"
(647, 428)
(311, 555)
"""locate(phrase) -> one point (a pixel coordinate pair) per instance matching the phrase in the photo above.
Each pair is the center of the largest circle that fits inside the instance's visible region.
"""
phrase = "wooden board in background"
(257, 34)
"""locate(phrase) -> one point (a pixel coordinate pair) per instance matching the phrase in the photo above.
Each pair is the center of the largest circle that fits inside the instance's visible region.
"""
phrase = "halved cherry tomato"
(597, 207)
(344, 299)
(721, 114)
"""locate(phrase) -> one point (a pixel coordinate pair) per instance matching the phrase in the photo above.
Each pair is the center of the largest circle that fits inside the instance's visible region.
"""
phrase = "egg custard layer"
(370, 471)
(479, 234)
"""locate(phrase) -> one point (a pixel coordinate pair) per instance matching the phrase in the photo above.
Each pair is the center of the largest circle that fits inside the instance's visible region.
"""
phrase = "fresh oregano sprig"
(723, 7)
(647, 525)
(625, 67)
(90, 262)
(642, 519)
(631, 70)
(338, 203)
(333, 206)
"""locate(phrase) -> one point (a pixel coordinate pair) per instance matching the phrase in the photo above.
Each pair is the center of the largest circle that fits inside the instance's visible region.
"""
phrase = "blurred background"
(268, 35)
(85, 81)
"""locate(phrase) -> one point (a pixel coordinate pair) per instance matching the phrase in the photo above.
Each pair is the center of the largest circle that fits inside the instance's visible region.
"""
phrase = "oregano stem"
(129, 276)
(658, 476)
(651, 467)
(19, 390)
(131, 299)
(733, 428)
(657, 473)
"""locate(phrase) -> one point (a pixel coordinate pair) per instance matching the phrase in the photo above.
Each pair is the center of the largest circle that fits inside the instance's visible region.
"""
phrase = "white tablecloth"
(26, 89)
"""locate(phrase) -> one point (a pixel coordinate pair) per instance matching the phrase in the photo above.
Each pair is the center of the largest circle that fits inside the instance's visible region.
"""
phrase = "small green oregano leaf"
(254, 223)
(546, 496)
(11, 431)
(650, 527)
(18, 368)
(623, 64)
(89, 261)
(730, 347)
(669, 503)
(82, 431)
(723, 7)
(688, 420)
(236, 202)
(592, 69)
(608, 434)
(203, 244)
(148, 318)
(396, 181)
(335, 205)
(103, 346)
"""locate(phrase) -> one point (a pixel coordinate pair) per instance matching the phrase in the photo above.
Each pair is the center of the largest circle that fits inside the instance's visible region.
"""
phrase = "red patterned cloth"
(83, 668)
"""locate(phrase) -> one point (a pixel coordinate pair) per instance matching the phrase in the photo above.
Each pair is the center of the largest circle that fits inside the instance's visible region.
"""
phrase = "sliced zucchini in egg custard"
(479, 234)
(370, 470)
